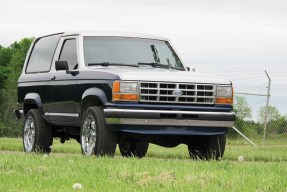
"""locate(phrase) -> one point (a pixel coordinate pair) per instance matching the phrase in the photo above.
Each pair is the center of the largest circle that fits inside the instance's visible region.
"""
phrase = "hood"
(161, 75)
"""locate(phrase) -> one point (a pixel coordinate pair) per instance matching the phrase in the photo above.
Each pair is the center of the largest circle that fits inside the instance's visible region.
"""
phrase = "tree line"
(276, 124)
(12, 59)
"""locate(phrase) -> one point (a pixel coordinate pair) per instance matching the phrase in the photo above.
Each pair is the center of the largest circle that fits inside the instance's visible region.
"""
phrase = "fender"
(99, 93)
(33, 98)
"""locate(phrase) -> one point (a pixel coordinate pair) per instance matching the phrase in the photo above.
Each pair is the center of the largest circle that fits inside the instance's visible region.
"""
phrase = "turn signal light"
(116, 87)
(125, 97)
(224, 101)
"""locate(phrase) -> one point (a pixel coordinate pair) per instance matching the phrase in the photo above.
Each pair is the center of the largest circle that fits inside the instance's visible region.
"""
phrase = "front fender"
(95, 92)
(33, 98)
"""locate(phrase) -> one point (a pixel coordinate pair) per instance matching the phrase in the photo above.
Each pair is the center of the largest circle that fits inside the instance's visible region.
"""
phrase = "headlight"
(125, 91)
(224, 95)
(127, 87)
(224, 91)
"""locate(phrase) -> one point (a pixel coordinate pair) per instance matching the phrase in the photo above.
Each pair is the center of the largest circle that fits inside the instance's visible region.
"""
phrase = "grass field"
(264, 169)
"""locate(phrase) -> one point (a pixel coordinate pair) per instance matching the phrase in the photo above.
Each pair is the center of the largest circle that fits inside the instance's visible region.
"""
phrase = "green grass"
(233, 150)
(164, 169)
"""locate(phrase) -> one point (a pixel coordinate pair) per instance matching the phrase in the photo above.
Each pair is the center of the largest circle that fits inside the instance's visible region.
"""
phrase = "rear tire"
(37, 134)
(207, 147)
(132, 148)
(96, 137)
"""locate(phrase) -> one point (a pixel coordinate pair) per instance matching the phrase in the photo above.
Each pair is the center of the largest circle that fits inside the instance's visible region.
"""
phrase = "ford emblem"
(177, 93)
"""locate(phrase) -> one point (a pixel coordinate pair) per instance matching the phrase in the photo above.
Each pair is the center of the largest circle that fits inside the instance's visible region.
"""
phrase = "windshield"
(129, 51)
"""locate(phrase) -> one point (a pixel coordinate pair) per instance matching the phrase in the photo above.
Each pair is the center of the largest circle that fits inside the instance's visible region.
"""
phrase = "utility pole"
(267, 107)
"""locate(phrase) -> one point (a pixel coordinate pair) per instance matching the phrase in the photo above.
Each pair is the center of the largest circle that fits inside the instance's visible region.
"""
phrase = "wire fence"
(260, 105)
(9, 126)
(261, 117)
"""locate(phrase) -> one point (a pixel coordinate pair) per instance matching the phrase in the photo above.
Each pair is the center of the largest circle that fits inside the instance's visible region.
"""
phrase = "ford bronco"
(104, 89)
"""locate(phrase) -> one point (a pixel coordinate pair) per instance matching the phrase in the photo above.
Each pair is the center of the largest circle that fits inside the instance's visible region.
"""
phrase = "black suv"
(104, 89)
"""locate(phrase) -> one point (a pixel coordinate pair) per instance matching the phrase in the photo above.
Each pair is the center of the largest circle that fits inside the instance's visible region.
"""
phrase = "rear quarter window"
(42, 54)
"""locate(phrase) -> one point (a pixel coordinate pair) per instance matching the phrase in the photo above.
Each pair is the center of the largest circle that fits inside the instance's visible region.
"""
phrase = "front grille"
(165, 92)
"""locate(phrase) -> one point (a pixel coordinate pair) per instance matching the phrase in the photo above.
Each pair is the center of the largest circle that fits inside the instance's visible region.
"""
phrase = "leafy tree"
(4, 75)
(5, 57)
(268, 113)
(278, 126)
(11, 63)
(19, 51)
(242, 109)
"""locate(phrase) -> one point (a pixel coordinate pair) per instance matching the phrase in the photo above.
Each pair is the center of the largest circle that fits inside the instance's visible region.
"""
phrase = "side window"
(69, 53)
(42, 54)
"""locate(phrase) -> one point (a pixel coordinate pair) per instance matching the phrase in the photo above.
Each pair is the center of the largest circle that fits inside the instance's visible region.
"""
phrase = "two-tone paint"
(64, 96)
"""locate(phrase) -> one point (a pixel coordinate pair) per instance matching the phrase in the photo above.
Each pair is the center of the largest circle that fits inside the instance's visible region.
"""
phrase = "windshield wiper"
(103, 64)
(154, 64)
(108, 63)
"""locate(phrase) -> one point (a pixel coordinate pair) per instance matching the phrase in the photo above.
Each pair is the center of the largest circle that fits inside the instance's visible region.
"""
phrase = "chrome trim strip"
(111, 111)
(169, 122)
(62, 114)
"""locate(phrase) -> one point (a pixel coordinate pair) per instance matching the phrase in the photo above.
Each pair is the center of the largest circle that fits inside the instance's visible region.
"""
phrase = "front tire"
(96, 137)
(37, 134)
(207, 147)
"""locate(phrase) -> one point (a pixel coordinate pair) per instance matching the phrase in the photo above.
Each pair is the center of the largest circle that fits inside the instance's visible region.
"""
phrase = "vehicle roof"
(114, 34)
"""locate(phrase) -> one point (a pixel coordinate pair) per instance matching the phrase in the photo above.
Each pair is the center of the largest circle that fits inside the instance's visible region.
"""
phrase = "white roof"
(114, 34)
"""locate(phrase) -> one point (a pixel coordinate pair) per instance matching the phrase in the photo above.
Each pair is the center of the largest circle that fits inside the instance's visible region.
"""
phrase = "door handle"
(53, 77)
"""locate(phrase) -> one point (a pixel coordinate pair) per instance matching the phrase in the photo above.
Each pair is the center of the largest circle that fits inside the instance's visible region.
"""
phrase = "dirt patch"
(164, 177)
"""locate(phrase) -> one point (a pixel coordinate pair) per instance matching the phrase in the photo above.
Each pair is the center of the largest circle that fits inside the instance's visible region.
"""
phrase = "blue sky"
(237, 39)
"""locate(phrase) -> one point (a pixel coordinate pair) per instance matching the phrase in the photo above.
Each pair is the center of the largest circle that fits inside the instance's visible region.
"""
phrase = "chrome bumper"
(169, 118)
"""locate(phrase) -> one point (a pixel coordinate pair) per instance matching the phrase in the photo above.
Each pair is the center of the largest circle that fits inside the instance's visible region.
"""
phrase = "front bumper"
(169, 118)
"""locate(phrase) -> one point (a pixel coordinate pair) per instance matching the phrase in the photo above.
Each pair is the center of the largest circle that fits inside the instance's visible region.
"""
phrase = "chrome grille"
(162, 92)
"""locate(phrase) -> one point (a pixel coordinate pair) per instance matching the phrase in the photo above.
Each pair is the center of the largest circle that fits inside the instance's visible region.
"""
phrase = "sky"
(238, 39)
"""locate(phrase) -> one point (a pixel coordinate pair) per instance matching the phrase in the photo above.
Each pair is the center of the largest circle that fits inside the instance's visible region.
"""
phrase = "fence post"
(267, 108)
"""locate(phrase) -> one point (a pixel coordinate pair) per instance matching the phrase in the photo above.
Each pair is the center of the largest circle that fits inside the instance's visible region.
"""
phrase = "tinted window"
(69, 53)
(41, 57)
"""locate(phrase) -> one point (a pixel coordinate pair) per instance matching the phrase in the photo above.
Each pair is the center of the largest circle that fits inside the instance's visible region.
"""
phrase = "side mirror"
(62, 66)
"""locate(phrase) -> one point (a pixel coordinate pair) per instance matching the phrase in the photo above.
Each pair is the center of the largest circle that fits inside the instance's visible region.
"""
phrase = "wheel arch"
(93, 97)
(32, 101)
